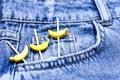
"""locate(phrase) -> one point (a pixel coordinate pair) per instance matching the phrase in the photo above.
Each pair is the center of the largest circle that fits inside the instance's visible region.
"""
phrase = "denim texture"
(90, 50)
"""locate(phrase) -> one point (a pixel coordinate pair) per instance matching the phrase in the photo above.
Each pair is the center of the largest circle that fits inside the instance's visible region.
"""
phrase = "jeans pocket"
(82, 34)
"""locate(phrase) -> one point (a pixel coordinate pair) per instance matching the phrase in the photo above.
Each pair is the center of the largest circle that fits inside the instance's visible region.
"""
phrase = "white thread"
(38, 44)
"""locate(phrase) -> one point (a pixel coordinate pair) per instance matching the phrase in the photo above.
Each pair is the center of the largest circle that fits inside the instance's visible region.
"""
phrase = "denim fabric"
(90, 50)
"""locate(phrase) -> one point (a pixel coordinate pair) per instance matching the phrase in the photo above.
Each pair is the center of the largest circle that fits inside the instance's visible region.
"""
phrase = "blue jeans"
(90, 50)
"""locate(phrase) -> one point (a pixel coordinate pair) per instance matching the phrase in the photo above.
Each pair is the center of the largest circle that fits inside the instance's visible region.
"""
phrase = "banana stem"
(35, 31)
(15, 50)
(58, 39)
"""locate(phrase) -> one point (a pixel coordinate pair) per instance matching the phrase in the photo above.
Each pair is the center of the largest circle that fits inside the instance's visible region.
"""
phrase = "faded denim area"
(90, 50)
(50, 9)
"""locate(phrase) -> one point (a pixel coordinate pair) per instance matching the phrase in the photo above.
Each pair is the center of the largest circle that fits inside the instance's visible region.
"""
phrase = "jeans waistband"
(67, 11)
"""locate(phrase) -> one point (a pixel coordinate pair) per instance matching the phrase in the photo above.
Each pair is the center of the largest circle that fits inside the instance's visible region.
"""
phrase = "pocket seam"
(5, 35)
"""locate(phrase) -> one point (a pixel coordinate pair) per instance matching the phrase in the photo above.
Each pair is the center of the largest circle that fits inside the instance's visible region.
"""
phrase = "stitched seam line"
(2, 37)
(19, 31)
(40, 21)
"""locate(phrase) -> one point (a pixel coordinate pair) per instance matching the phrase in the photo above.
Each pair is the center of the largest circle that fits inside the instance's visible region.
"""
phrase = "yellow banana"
(59, 34)
(21, 56)
(41, 47)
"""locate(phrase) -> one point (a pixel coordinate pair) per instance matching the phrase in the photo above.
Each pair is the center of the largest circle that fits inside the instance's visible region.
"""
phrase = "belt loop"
(104, 12)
